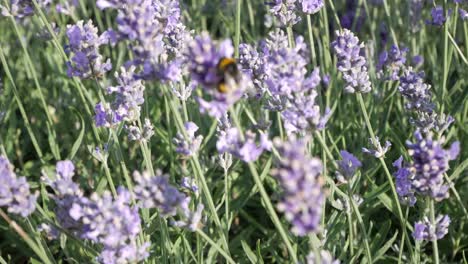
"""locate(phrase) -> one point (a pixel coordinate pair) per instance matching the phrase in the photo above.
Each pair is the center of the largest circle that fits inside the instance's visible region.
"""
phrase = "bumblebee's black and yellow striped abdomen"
(229, 73)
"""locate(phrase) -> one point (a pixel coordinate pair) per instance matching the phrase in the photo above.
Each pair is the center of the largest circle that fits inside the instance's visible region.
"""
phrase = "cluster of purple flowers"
(84, 43)
(203, 57)
(279, 74)
(21, 8)
(438, 16)
(135, 133)
(300, 179)
(158, 36)
(350, 62)
(425, 230)
(391, 63)
(157, 192)
(245, 148)
(102, 219)
(418, 100)
(430, 162)
(348, 165)
(286, 11)
(14, 191)
(189, 145)
(425, 174)
(129, 96)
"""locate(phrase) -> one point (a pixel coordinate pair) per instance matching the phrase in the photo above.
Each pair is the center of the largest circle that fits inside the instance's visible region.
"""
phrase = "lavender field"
(233, 131)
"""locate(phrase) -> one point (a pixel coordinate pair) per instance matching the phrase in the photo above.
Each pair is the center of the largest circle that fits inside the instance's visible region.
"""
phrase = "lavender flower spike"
(14, 191)
(157, 192)
(300, 179)
(311, 6)
(425, 230)
(189, 145)
(347, 165)
(84, 43)
(430, 162)
(379, 151)
(325, 258)
(350, 62)
(403, 182)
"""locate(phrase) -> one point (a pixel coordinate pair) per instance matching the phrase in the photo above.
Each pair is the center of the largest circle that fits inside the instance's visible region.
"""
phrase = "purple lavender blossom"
(403, 182)
(203, 57)
(14, 191)
(391, 63)
(430, 162)
(299, 177)
(415, 11)
(189, 184)
(104, 220)
(378, 151)
(157, 192)
(350, 62)
(112, 223)
(188, 145)
(104, 116)
(463, 14)
(230, 141)
(84, 43)
(347, 165)
(191, 220)
(311, 6)
(158, 35)
(136, 134)
(19, 8)
(425, 230)
(438, 16)
(285, 12)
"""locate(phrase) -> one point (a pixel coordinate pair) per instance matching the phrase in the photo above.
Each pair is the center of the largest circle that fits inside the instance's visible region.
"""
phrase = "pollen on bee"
(223, 88)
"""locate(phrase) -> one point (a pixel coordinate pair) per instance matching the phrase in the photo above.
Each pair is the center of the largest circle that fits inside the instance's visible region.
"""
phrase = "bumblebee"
(229, 75)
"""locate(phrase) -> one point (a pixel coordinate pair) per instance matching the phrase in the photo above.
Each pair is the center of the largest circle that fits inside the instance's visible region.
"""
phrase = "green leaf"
(248, 252)
(79, 140)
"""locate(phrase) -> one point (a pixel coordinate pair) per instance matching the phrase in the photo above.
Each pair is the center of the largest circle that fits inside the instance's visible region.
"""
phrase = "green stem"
(215, 245)
(238, 21)
(435, 248)
(271, 210)
(41, 254)
(290, 36)
(311, 41)
(387, 172)
(350, 224)
(21, 108)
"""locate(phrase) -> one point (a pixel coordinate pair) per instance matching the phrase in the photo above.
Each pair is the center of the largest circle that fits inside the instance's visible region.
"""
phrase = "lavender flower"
(158, 35)
(311, 6)
(21, 8)
(135, 133)
(325, 258)
(14, 191)
(84, 43)
(156, 192)
(463, 14)
(391, 63)
(438, 16)
(113, 224)
(203, 57)
(189, 184)
(100, 219)
(347, 166)
(104, 116)
(378, 150)
(350, 62)
(285, 12)
(192, 220)
(299, 177)
(415, 9)
(403, 182)
(188, 145)
(230, 141)
(425, 230)
(430, 162)
(348, 19)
